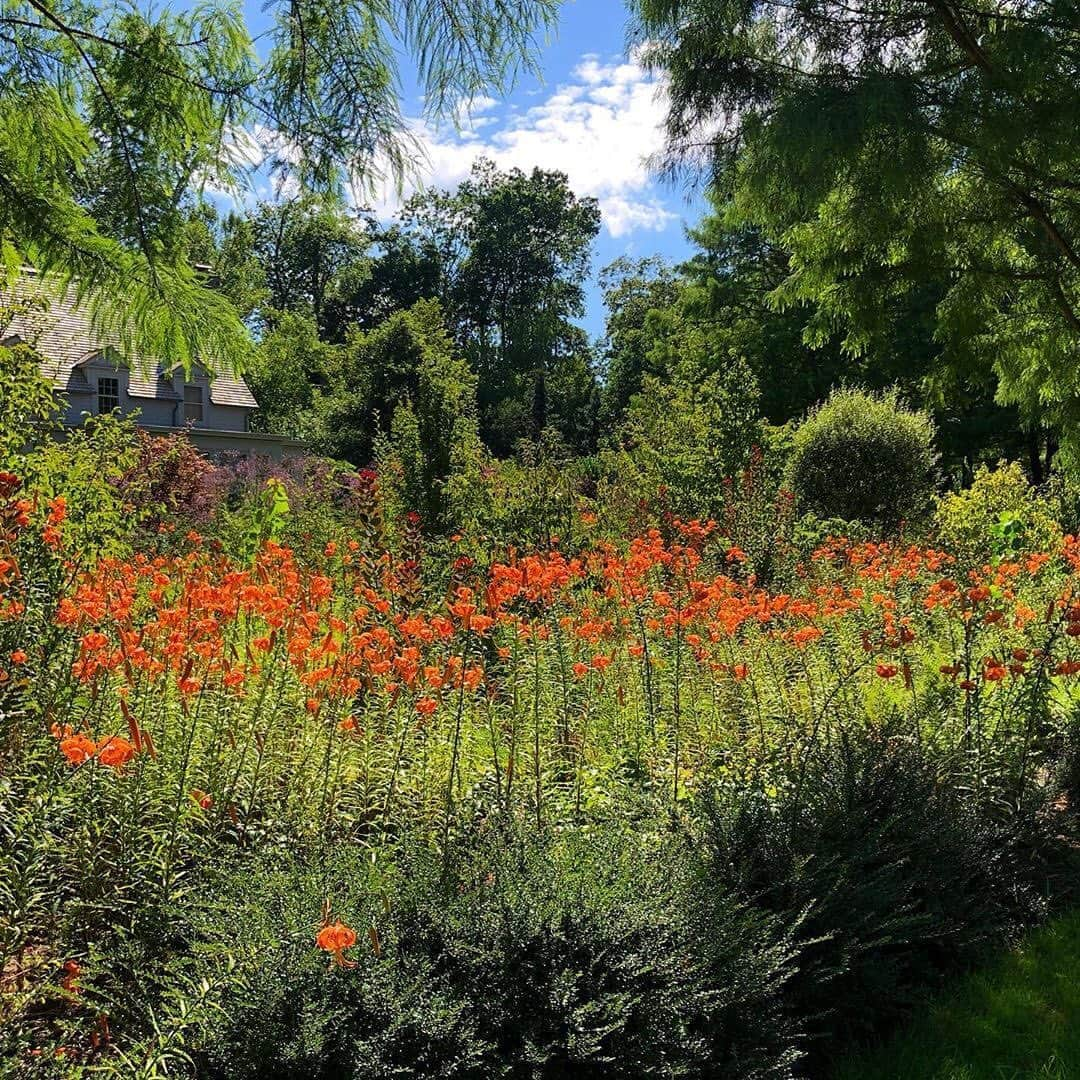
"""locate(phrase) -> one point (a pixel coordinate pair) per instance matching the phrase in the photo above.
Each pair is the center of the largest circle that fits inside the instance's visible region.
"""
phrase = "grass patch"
(1018, 1019)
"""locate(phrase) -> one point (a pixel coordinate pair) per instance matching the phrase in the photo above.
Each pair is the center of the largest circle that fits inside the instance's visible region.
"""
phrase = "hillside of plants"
(699, 697)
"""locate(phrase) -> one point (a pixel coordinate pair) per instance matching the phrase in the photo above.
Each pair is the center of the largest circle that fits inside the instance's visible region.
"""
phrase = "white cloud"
(626, 215)
(599, 128)
(241, 174)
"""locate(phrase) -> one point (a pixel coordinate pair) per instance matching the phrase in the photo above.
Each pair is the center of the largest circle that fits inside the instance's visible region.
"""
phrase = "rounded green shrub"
(863, 457)
(597, 958)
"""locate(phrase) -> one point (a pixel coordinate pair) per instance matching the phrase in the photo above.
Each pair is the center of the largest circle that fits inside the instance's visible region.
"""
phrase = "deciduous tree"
(888, 144)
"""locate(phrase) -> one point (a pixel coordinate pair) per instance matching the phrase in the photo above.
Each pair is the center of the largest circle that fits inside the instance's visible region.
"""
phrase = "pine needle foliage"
(889, 144)
(113, 117)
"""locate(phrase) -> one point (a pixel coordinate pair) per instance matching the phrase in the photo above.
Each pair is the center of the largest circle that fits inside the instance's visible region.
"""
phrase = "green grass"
(1018, 1019)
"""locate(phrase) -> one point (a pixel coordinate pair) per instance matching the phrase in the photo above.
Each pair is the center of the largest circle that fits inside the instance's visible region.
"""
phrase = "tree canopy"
(510, 253)
(885, 145)
(633, 291)
(111, 117)
(506, 256)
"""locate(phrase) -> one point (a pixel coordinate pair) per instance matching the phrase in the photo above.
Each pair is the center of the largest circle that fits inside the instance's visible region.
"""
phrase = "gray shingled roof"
(61, 331)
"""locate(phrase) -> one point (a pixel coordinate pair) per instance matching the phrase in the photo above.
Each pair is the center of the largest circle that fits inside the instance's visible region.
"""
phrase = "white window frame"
(194, 411)
(111, 393)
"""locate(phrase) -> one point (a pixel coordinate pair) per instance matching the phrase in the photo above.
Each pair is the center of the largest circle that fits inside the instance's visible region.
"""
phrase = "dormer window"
(193, 403)
(108, 394)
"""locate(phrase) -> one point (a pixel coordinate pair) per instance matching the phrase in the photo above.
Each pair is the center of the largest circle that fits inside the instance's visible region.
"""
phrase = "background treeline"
(453, 331)
(892, 187)
(486, 282)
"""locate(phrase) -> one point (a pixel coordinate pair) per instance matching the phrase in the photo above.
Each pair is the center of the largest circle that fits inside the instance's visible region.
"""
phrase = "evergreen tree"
(408, 357)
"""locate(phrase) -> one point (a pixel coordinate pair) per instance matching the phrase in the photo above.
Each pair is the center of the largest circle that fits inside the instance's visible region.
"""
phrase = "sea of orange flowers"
(669, 632)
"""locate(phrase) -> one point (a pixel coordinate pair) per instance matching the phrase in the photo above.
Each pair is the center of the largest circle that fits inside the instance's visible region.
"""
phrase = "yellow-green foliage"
(684, 437)
(1001, 515)
(94, 470)
(27, 403)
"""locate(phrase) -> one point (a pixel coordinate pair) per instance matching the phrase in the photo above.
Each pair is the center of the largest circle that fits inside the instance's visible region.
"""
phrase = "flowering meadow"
(543, 687)
(304, 802)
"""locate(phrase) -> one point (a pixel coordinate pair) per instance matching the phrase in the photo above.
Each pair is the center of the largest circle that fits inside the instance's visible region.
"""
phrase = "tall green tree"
(634, 291)
(403, 270)
(433, 433)
(313, 254)
(887, 144)
(223, 247)
(290, 366)
(379, 369)
(508, 254)
(111, 116)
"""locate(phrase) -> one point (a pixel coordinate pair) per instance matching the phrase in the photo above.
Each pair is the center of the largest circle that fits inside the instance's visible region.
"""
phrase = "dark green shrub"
(593, 960)
(290, 1012)
(863, 457)
(575, 958)
(893, 877)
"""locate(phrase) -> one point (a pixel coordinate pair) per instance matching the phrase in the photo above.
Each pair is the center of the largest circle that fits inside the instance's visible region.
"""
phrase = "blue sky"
(595, 115)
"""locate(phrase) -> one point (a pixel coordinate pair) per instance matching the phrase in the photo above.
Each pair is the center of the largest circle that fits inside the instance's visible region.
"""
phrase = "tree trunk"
(1035, 463)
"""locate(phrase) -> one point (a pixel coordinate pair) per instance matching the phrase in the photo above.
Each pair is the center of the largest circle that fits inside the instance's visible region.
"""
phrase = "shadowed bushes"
(759, 936)
(896, 877)
(578, 958)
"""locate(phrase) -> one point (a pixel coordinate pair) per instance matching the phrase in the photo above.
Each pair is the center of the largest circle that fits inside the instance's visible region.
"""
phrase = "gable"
(49, 318)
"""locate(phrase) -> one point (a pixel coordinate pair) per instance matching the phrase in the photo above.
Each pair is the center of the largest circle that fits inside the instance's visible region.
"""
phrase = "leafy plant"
(680, 440)
(893, 880)
(28, 406)
(1001, 516)
(863, 457)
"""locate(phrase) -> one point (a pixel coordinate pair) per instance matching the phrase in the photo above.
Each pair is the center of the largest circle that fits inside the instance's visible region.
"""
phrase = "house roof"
(51, 320)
